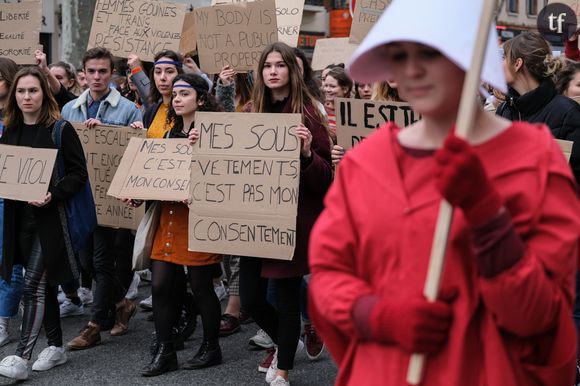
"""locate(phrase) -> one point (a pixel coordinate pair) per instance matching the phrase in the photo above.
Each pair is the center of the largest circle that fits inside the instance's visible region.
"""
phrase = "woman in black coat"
(34, 232)
(530, 68)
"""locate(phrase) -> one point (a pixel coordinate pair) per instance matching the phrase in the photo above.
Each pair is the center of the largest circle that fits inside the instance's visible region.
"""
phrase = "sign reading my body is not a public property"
(288, 17)
(245, 177)
(234, 35)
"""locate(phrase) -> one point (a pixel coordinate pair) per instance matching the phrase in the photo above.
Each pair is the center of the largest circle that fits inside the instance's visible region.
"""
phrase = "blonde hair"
(536, 54)
(382, 92)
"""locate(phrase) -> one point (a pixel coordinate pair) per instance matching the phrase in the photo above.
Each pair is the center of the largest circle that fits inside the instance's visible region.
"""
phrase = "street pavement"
(118, 360)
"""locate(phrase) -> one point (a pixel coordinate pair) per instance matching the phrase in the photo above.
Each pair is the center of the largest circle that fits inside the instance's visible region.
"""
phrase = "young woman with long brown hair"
(280, 88)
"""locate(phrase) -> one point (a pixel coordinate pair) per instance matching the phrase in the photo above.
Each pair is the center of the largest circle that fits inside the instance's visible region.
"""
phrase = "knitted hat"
(449, 26)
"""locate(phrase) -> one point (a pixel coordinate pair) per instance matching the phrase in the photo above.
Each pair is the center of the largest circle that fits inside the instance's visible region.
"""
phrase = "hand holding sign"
(306, 137)
(42, 203)
(227, 75)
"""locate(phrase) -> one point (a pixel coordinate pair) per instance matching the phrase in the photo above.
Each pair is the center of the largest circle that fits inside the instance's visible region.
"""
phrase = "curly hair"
(210, 103)
(566, 76)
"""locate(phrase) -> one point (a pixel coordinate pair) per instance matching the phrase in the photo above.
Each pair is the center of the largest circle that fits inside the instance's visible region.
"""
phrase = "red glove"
(414, 324)
(462, 181)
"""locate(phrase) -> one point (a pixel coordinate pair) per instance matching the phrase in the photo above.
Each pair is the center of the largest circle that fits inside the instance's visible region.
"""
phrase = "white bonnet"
(449, 26)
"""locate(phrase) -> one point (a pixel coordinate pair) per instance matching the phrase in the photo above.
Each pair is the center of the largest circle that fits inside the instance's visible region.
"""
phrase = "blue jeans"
(10, 293)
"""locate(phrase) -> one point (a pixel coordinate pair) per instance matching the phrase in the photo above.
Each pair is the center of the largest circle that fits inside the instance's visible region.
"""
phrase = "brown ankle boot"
(125, 311)
(89, 337)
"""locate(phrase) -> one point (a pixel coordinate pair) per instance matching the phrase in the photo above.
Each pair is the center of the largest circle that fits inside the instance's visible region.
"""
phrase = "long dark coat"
(60, 261)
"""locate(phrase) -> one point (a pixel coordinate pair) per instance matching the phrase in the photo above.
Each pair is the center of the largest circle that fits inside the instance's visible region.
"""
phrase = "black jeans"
(40, 299)
(98, 258)
(282, 323)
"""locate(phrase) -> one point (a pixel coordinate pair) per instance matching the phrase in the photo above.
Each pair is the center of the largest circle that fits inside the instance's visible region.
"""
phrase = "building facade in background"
(66, 23)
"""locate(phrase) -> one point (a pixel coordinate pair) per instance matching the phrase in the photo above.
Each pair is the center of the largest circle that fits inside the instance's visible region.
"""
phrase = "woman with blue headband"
(170, 255)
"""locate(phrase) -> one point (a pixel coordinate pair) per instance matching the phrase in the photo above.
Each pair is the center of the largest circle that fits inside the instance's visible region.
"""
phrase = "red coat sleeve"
(334, 285)
(543, 280)
(571, 50)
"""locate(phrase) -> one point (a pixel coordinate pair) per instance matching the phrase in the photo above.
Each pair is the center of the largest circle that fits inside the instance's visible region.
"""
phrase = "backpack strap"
(57, 139)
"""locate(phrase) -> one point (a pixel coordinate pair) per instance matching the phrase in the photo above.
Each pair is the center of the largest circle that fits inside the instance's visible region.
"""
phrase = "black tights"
(168, 289)
(282, 323)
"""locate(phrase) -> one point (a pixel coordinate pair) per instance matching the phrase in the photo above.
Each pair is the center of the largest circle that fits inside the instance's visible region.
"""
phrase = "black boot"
(163, 361)
(187, 320)
(177, 342)
(209, 354)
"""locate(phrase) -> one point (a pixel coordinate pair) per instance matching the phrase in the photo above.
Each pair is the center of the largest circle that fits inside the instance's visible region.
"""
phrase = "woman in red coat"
(504, 315)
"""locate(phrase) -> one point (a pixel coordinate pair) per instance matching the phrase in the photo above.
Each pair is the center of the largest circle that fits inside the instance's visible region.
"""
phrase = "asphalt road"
(118, 360)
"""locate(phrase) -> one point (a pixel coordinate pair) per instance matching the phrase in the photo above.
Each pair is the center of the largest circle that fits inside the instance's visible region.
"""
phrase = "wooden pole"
(465, 119)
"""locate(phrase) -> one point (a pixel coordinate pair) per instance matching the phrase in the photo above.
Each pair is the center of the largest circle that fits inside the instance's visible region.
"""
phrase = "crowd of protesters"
(507, 303)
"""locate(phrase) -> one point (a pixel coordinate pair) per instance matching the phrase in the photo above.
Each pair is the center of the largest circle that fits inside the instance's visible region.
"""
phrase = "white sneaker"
(271, 373)
(14, 367)
(261, 339)
(61, 295)
(220, 290)
(300, 346)
(145, 275)
(279, 381)
(50, 357)
(4, 337)
(147, 303)
(133, 290)
(86, 295)
(68, 308)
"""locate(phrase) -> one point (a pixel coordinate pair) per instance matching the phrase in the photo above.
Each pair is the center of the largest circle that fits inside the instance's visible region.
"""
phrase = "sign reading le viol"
(25, 172)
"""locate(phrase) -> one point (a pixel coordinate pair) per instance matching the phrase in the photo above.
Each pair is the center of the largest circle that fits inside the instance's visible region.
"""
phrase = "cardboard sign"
(245, 177)
(366, 14)
(566, 147)
(137, 27)
(331, 51)
(188, 41)
(357, 118)
(25, 172)
(288, 17)
(20, 25)
(154, 169)
(104, 147)
(234, 35)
